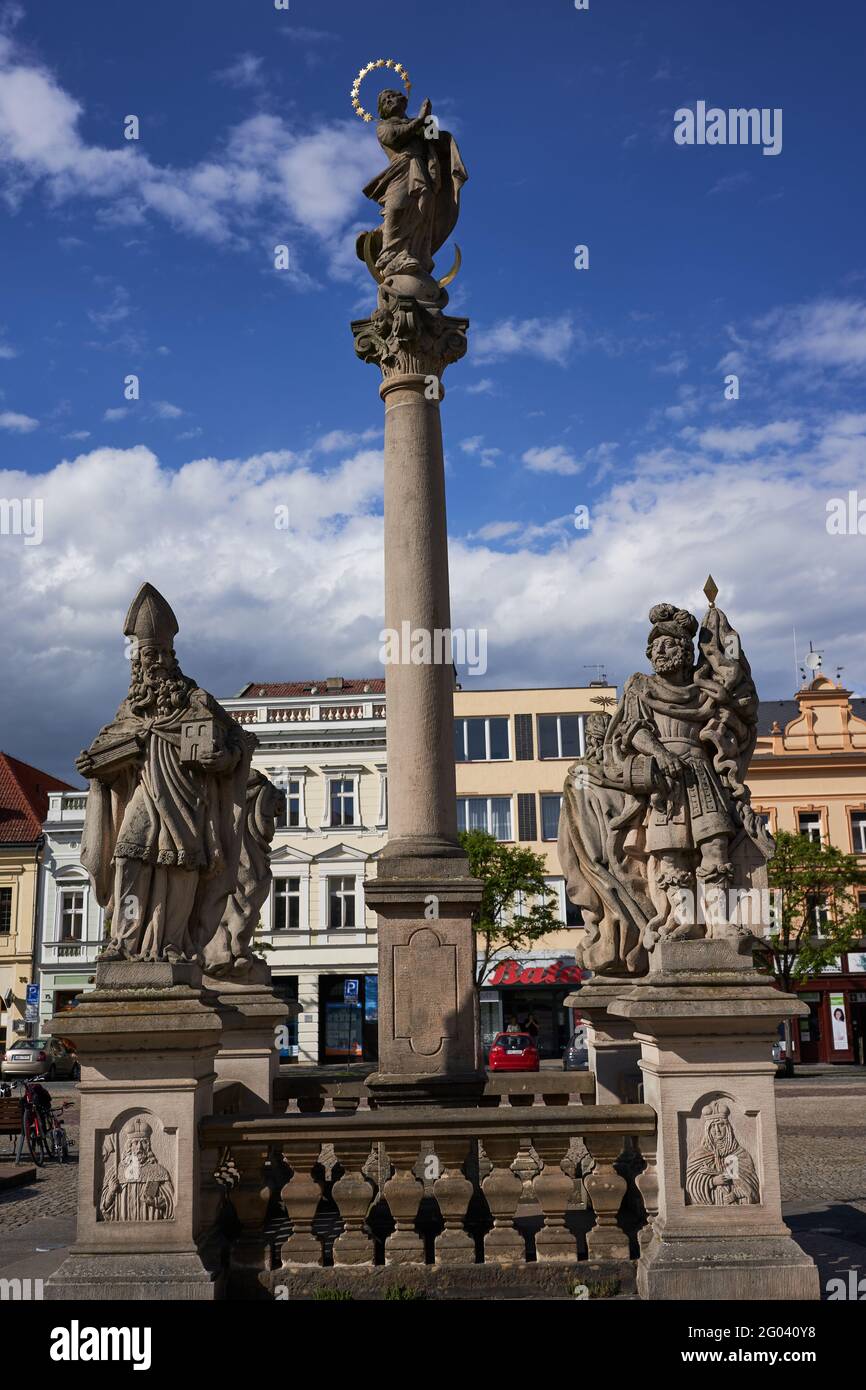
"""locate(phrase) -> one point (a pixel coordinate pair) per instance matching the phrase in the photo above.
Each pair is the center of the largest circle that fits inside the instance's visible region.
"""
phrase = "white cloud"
(116, 412)
(549, 339)
(554, 459)
(744, 439)
(245, 71)
(255, 602)
(263, 168)
(826, 332)
(484, 387)
(477, 449)
(164, 410)
(16, 423)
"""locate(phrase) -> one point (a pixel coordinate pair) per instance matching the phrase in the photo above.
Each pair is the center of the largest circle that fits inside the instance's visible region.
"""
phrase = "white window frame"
(858, 822)
(286, 866)
(581, 735)
(503, 796)
(342, 868)
(815, 823)
(73, 879)
(465, 719)
(303, 922)
(547, 839)
(382, 818)
(281, 777)
(336, 775)
(79, 889)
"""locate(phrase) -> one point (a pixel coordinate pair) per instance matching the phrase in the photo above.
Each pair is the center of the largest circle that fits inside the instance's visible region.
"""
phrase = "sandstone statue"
(165, 814)
(230, 952)
(657, 837)
(418, 192)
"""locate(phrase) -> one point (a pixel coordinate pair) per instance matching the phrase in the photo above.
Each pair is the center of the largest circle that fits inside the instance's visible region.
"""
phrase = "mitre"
(150, 618)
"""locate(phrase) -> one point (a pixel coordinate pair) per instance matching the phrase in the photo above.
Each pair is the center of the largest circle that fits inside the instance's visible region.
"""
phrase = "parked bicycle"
(36, 1120)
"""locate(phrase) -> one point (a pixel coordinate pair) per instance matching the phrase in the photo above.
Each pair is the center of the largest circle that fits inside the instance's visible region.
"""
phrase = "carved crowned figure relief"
(135, 1185)
(657, 837)
(719, 1171)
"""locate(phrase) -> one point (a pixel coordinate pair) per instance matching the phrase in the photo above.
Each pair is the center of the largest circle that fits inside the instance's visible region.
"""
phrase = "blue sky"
(601, 388)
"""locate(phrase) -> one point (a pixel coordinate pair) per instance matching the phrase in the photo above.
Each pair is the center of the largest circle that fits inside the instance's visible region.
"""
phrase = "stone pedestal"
(706, 1021)
(147, 1039)
(429, 1035)
(612, 1051)
(250, 1013)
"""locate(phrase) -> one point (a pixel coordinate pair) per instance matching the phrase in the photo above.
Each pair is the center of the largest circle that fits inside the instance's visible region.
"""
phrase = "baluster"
(453, 1192)
(647, 1184)
(403, 1193)
(301, 1196)
(553, 1189)
(606, 1188)
(250, 1196)
(353, 1194)
(503, 1190)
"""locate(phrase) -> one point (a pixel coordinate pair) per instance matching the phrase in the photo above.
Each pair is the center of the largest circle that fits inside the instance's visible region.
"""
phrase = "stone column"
(147, 1038)
(429, 1047)
(706, 1021)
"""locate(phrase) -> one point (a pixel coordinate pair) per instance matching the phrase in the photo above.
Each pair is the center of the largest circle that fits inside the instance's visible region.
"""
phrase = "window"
(560, 735)
(858, 831)
(342, 796)
(341, 902)
(550, 806)
(5, 911)
(481, 740)
(287, 904)
(818, 912)
(72, 914)
(289, 816)
(527, 821)
(570, 915)
(809, 824)
(490, 813)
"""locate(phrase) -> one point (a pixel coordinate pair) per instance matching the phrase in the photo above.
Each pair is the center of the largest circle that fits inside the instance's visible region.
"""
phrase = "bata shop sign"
(518, 972)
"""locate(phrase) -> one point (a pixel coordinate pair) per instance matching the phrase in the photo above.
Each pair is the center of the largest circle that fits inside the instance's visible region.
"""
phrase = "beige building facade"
(808, 776)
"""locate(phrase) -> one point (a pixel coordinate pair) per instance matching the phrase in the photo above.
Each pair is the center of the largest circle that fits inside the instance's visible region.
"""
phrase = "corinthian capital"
(406, 337)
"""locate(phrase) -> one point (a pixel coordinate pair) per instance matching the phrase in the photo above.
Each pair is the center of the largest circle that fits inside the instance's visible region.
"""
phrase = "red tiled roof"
(276, 690)
(24, 800)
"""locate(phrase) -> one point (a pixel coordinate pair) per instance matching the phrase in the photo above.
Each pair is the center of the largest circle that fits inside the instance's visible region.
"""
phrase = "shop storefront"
(835, 1029)
(527, 991)
(348, 1018)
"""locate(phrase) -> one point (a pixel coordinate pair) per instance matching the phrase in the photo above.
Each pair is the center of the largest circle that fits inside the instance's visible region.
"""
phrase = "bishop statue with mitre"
(165, 813)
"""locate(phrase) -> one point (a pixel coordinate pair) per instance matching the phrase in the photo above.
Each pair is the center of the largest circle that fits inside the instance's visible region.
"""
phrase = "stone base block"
(144, 1278)
(725, 1271)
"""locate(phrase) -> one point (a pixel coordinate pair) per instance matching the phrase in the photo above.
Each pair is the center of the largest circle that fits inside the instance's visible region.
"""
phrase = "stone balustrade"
(311, 1095)
(357, 1190)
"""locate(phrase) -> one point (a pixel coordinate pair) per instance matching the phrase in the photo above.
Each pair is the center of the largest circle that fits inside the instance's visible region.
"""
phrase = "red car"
(513, 1052)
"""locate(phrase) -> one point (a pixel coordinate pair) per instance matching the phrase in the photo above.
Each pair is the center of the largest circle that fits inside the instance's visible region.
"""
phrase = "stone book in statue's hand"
(111, 758)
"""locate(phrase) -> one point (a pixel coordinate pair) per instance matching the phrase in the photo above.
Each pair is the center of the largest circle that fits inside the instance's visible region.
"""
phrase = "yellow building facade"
(808, 776)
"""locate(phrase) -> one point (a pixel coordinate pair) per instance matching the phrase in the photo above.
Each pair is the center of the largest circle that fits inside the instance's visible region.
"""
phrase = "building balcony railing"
(530, 1193)
(66, 806)
(309, 714)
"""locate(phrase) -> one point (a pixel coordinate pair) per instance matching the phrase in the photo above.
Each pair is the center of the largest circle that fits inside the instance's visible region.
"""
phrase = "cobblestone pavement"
(55, 1192)
(822, 1139)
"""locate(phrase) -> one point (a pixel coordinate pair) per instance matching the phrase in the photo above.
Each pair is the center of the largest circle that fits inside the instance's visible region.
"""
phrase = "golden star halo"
(398, 68)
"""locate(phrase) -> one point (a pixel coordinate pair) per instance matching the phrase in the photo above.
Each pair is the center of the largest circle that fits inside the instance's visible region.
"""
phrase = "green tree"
(818, 886)
(517, 905)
